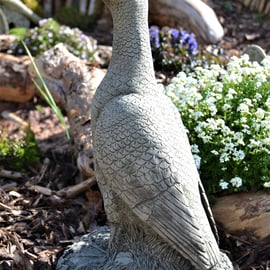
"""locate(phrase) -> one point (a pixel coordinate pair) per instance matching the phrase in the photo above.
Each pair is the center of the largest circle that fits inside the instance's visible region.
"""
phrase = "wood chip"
(42, 190)
(10, 174)
(5, 206)
(73, 191)
(251, 37)
(15, 118)
(15, 194)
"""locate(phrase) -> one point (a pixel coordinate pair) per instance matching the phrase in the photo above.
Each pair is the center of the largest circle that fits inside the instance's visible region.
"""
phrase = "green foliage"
(18, 32)
(227, 115)
(49, 33)
(260, 16)
(228, 5)
(72, 17)
(18, 154)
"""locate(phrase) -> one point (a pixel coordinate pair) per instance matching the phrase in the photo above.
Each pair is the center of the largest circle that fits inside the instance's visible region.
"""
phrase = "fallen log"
(244, 213)
(72, 84)
(15, 82)
(194, 15)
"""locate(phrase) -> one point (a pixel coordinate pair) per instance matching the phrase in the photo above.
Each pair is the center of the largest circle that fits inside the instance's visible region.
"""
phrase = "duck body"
(152, 192)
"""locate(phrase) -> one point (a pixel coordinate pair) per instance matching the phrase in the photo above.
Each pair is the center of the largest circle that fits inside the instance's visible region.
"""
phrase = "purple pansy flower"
(175, 35)
(189, 40)
(154, 36)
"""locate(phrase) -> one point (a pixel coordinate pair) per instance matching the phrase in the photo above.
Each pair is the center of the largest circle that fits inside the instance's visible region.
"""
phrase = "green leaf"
(46, 94)
(19, 32)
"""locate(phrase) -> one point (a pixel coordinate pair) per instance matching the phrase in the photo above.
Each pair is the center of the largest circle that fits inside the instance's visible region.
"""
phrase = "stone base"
(91, 253)
(87, 254)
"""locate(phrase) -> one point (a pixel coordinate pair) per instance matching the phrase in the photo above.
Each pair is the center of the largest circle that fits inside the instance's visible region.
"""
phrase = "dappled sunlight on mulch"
(40, 215)
(50, 205)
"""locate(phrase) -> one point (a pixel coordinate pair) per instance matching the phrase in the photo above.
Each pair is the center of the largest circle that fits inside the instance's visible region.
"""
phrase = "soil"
(39, 217)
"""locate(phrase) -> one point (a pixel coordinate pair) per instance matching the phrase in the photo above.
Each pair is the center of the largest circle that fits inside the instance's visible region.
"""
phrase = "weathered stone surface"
(91, 253)
(87, 254)
(152, 192)
(255, 53)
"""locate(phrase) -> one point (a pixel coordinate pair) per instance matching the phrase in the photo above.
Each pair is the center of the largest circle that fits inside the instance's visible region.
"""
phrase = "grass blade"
(46, 94)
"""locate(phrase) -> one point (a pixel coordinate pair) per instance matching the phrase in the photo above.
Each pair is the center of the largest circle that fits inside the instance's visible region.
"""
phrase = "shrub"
(227, 114)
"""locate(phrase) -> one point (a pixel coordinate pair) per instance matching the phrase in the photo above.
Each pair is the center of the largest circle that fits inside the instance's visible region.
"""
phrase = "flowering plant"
(49, 33)
(175, 50)
(227, 114)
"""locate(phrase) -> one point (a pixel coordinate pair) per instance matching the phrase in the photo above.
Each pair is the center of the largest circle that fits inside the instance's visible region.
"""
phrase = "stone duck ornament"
(153, 197)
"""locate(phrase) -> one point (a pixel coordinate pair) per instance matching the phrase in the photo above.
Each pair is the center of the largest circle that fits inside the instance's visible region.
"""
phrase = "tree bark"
(244, 212)
(72, 84)
(15, 82)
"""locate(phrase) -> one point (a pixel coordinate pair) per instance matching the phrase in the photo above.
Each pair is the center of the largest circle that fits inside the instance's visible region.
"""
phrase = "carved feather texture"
(145, 158)
(143, 161)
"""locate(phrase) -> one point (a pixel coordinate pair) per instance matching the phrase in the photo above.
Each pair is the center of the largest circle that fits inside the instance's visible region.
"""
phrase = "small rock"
(87, 254)
(255, 53)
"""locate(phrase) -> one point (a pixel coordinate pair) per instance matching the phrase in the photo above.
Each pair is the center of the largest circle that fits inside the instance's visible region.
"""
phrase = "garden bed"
(40, 211)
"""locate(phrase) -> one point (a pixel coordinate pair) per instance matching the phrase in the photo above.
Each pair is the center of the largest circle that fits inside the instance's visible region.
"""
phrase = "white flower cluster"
(235, 182)
(227, 113)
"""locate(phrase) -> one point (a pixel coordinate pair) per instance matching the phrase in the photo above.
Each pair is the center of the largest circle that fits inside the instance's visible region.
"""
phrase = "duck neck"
(131, 63)
(131, 67)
